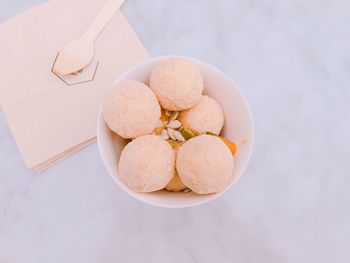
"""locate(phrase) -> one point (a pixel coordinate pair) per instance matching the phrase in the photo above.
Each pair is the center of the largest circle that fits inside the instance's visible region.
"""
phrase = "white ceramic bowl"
(238, 127)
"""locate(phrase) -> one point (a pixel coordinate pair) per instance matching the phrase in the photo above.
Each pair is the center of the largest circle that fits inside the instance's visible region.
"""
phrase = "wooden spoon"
(78, 54)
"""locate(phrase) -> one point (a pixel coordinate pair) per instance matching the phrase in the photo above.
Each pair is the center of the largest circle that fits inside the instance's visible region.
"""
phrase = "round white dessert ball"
(131, 109)
(147, 164)
(176, 184)
(205, 164)
(177, 84)
(206, 116)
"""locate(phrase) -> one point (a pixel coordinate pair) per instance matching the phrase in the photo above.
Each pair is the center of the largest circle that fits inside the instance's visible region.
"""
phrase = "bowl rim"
(251, 120)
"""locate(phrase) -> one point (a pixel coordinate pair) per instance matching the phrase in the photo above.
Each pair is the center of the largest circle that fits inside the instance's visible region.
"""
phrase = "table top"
(292, 61)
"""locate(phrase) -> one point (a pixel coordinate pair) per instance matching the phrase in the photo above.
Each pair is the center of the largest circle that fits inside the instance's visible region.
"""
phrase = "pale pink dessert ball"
(176, 184)
(131, 109)
(147, 164)
(177, 84)
(206, 116)
(205, 164)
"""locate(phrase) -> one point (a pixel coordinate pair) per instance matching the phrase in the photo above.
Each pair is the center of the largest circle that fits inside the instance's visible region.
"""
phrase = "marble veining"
(292, 60)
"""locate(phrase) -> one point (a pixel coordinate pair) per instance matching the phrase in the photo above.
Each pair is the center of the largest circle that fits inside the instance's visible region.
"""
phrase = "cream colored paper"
(50, 120)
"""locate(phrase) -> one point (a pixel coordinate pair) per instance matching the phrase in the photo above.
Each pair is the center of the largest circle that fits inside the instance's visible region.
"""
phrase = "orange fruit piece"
(231, 145)
(164, 117)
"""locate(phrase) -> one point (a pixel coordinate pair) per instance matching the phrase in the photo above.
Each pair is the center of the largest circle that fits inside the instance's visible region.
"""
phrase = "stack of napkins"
(49, 119)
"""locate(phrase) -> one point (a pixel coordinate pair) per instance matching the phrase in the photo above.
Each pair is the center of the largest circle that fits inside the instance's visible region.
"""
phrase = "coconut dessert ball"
(206, 116)
(147, 164)
(175, 184)
(131, 109)
(205, 164)
(177, 84)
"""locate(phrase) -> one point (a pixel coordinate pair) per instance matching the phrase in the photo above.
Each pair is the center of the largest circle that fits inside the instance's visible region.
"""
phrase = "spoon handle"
(102, 19)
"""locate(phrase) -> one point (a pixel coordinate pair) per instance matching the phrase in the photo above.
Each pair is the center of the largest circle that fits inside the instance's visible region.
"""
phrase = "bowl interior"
(238, 127)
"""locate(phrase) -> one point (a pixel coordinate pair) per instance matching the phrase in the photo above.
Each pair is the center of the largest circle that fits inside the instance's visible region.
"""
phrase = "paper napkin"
(49, 119)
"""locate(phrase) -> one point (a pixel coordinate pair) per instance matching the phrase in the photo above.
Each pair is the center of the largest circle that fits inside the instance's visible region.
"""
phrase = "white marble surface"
(292, 60)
